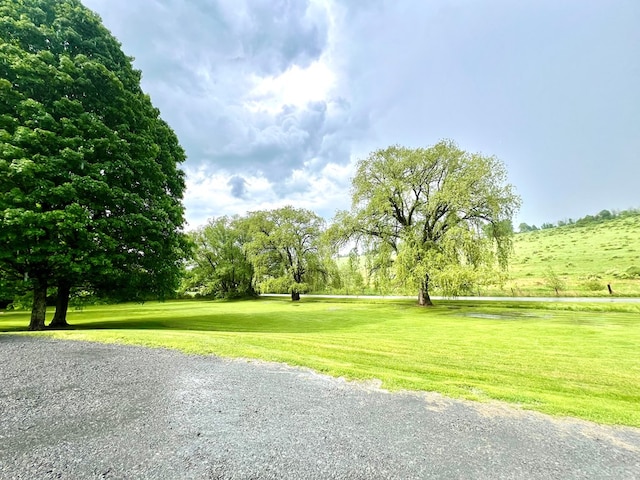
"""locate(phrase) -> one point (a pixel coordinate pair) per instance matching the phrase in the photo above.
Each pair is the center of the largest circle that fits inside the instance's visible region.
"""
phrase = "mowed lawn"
(579, 360)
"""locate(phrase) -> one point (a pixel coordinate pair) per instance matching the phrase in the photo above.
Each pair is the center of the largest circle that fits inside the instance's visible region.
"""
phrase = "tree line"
(420, 218)
(602, 216)
(91, 193)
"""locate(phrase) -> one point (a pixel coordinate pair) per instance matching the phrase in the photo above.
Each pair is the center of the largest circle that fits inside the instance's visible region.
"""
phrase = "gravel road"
(79, 410)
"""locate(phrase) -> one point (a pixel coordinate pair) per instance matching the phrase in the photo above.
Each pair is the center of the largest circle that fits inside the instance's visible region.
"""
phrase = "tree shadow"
(292, 318)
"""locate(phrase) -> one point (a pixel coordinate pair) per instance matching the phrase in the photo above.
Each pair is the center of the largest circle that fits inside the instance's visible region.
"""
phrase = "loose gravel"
(78, 410)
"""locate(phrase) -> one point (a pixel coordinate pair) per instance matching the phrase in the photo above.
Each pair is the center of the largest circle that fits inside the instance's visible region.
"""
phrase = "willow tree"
(286, 248)
(220, 265)
(90, 189)
(438, 215)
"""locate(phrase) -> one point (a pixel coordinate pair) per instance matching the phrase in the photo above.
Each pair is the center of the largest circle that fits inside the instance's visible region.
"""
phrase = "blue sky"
(275, 100)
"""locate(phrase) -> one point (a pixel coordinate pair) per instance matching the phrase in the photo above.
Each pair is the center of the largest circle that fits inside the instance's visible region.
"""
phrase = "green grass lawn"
(579, 360)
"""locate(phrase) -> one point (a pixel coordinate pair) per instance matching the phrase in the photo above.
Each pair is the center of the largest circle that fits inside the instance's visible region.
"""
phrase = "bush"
(593, 285)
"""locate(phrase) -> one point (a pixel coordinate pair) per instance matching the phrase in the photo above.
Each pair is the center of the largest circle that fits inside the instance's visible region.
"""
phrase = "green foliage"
(523, 227)
(90, 192)
(286, 249)
(350, 274)
(554, 281)
(220, 266)
(8, 287)
(602, 216)
(435, 216)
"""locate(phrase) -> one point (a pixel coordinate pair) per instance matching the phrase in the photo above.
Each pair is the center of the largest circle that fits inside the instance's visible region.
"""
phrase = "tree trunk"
(295, 296)
(424, 300)
(62, 305)
(39, 308)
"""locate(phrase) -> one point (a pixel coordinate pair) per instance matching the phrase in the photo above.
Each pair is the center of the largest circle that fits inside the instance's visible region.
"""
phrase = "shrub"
(593, 285)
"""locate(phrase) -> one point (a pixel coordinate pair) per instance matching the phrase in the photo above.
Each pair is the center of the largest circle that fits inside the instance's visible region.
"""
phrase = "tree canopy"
(285, 248)
(90, 189)
(220, 265)
(436, 215)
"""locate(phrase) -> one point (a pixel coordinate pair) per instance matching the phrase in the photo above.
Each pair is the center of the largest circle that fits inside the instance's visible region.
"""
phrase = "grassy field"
(585, 259)
(579, 360)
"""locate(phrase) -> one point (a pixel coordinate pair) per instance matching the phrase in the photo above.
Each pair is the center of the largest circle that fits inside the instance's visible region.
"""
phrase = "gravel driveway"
(85, 410)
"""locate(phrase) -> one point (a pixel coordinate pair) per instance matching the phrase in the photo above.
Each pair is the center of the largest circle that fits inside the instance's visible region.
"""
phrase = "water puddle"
(504, 316)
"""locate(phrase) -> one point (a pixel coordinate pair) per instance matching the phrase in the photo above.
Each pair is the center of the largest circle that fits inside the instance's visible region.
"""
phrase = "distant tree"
(220, 265)
(351, 274)
(554, 281)
(354, 271)
(630, 212)
(587, 219)
(546, 226)
(286, 248)
(565, 222)
(524, 228)
(426, 212)
(90, 191)
(604, 215)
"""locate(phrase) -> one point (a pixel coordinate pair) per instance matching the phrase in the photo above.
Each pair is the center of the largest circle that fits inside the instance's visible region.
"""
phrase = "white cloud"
(211, 194)
(281, 96)
(297, 86)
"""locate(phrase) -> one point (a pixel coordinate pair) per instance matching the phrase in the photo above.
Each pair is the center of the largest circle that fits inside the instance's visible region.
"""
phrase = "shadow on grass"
(279, 317)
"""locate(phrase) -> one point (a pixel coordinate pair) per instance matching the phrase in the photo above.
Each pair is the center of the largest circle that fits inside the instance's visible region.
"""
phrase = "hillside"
(579, 259)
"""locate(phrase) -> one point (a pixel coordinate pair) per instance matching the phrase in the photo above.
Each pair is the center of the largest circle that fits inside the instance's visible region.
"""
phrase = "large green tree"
(90, 189)
(286, 248)
(438, 215)
(220, 265)
(8, 290)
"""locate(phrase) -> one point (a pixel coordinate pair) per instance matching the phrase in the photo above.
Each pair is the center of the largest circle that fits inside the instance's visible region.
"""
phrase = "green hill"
(580, 259)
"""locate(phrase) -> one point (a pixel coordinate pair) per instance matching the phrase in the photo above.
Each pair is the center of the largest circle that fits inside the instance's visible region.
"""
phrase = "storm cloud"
(238, 186)
(274, 100)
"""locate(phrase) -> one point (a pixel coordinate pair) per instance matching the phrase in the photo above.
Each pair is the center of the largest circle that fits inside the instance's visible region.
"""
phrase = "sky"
(274, 101)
